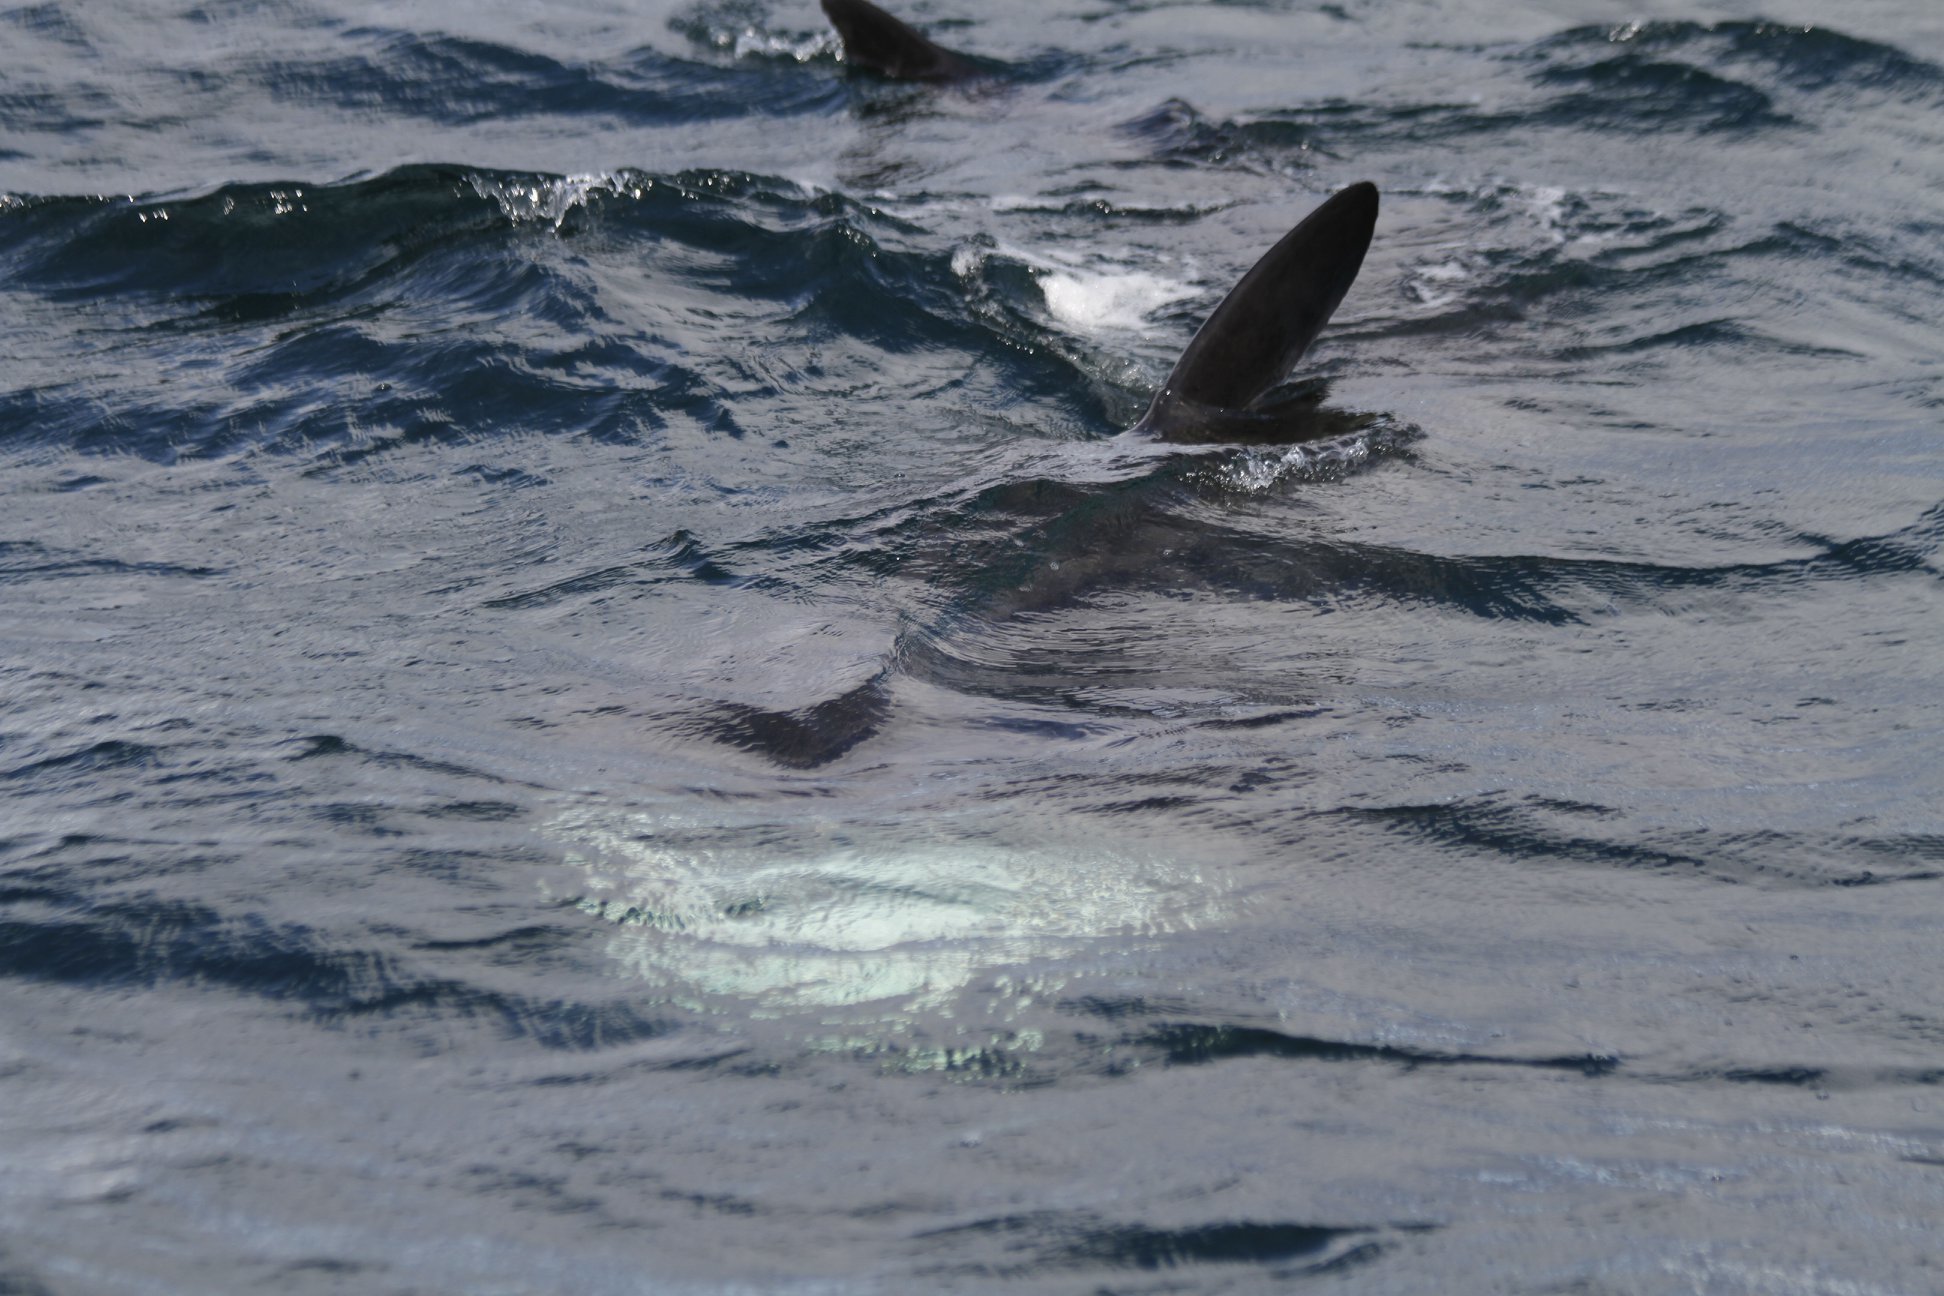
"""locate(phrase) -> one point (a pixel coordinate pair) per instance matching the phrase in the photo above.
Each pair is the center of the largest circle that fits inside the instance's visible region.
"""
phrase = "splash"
(1256, 471)
(1092, 294)
(1097, 301)
(528, 200)
(752, 42)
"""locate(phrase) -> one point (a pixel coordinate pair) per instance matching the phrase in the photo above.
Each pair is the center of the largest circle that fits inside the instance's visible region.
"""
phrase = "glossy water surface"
(593, 699)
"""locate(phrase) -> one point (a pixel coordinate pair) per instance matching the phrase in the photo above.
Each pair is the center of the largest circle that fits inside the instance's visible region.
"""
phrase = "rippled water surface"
(594, 699)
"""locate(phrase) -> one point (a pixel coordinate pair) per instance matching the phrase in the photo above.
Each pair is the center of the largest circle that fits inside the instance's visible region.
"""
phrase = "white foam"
(1433, 284)
(1097, 301)
(1090, 294)
(1548, 207)
(751, 41)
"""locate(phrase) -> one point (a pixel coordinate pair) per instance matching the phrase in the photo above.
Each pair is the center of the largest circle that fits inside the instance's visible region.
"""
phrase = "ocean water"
(594, 699)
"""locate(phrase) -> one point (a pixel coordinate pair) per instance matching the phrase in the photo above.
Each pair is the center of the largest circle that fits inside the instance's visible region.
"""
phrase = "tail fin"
(1261, 329)
(877, 42)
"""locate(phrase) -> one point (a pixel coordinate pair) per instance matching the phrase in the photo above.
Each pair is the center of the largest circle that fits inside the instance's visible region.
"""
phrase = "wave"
(442, 303)
(453, 80)
(1636, 80)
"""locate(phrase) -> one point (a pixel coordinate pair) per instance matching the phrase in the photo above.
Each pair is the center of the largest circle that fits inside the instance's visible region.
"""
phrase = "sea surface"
(594, 698)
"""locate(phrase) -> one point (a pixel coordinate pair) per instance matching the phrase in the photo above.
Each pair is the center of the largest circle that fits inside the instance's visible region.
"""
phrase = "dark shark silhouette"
(877, 42)
(1223, 389)
(1262, 328)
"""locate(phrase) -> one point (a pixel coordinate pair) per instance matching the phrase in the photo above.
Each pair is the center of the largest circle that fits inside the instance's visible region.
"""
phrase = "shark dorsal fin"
(1261, 329)
(877, 42)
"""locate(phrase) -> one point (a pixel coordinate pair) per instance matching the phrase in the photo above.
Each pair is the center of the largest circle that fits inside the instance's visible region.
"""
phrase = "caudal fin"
(877, 42)
(1261, 329)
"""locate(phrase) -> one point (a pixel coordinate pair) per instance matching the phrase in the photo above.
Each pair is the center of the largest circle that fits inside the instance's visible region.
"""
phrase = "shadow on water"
(1053, 1240)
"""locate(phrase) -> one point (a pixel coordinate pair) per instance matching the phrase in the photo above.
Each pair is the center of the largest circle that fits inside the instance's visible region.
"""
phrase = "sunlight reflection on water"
(886, 917)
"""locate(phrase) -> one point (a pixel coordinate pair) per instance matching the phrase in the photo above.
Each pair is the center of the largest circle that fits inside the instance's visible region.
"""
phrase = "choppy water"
(591, 699)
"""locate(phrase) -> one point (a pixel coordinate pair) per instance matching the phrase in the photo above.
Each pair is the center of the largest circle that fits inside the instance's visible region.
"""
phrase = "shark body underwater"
(1221, 390)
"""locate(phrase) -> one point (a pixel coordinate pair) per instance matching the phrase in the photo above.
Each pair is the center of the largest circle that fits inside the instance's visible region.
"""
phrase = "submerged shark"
(1222, 390)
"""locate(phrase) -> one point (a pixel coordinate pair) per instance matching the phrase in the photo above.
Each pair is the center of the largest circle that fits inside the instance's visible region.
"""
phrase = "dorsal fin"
(1261, 329)
(877, 42)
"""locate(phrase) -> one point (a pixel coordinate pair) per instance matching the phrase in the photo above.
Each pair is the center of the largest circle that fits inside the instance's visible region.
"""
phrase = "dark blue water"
(593, 698)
